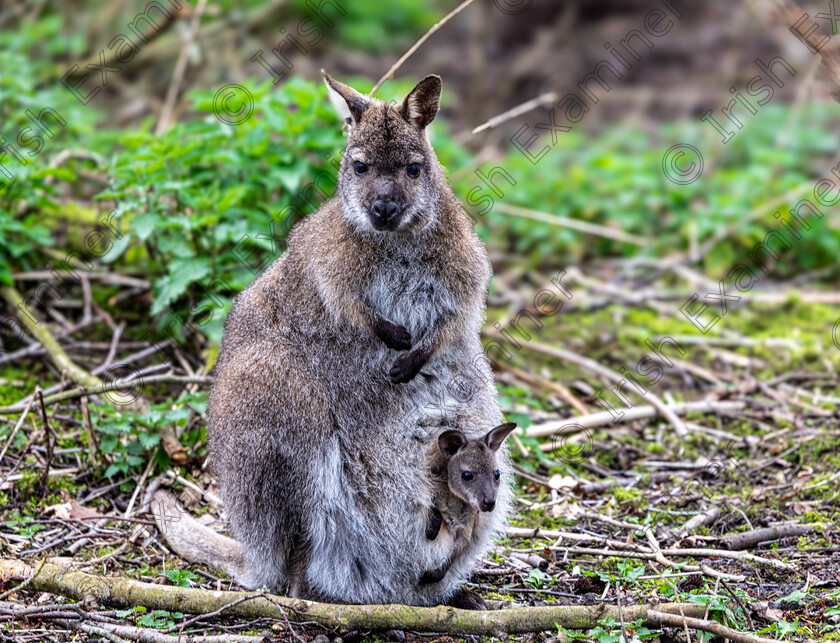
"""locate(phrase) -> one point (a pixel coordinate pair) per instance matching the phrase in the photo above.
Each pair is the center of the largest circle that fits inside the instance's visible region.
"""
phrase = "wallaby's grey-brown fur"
(373, 312)
(466, 482)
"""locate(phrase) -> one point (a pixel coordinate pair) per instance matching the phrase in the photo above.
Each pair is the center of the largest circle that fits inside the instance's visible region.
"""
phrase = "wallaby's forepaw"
(393, 335)
(433, 576)
(467, 600)
(434, 523)
(406, 367)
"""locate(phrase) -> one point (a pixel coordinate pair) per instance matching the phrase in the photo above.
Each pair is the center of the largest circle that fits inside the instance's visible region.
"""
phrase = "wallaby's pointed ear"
(450, 442)
(421, 105)
(497, 436)
(349, 103)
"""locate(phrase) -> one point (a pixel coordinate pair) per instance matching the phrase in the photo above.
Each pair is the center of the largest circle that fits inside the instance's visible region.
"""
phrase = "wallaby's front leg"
(393, 335)
(433, 524)
(407, 366)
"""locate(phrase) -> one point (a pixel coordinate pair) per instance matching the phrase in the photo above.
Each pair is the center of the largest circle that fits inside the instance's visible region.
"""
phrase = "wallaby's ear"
(421, 105)
(450, 442)
(349, 103)
(497, 436)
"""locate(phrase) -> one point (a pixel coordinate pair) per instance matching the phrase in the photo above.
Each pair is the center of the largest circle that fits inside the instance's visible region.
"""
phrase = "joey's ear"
(421, 105)
(349, 103)
(450, 442)
(497, 436)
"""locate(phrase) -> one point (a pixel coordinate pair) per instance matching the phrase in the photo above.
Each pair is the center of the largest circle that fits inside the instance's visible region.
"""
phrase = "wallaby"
(466, 481)
(374, 311)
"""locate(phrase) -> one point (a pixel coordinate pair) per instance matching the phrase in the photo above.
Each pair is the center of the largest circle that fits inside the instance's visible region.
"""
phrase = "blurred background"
(167, 178)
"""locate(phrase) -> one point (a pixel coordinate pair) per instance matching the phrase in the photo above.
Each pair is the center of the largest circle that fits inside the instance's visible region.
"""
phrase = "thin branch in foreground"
(390, 73)
(123, 592)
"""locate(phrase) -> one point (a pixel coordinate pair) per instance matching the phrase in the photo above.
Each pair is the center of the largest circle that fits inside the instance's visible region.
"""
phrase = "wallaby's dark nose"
(384, 209)
(487, 504)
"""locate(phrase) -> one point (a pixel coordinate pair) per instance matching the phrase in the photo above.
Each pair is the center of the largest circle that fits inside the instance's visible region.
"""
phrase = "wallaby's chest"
(408, 292)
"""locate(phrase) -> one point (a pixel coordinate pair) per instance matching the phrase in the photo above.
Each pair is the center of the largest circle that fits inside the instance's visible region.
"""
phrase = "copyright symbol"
(572, 452)
(513, 7)
(233, 104)
(129, 385)
(682, 164)
(835, 334)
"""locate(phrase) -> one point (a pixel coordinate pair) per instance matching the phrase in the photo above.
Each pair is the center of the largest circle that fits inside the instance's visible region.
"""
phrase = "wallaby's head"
(390, 179)
(471, 465)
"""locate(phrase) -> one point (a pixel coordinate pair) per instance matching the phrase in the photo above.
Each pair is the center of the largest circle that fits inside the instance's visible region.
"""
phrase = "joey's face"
(390, 180)
(471, 467)
(473, 476)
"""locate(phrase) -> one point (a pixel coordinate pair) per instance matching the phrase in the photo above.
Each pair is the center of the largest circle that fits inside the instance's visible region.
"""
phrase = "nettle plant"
(199, 204)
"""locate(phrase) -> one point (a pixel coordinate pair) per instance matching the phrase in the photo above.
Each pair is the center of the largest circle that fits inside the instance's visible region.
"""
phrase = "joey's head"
(390, 179)
(471, 469)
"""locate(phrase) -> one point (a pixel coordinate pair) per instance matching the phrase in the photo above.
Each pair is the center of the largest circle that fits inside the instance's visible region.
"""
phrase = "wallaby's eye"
(497, 474)
(413, 170)
(360, 167)
(467, 475)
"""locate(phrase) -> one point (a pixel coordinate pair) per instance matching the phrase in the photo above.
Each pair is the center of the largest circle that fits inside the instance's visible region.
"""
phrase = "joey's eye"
(496, 475)
(413, 170)
(467, 475)
(360, 167)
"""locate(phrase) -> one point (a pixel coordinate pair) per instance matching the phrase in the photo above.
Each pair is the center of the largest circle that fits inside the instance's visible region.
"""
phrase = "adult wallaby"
(340, 364)
(466, 482)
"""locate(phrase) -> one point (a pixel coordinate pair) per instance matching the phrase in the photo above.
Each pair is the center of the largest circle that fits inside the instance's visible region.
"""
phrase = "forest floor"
(625, 512)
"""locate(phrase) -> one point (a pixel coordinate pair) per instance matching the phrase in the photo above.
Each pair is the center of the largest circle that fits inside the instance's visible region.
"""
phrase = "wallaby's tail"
(193, 541)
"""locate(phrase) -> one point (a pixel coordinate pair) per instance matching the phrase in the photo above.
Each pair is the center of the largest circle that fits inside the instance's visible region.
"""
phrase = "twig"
(16, 429)
(45, 474)
(594, 367)
(523, 108)
(390, 73)
(605, 418)
(674, 620)
(180, 67)
(573, 224)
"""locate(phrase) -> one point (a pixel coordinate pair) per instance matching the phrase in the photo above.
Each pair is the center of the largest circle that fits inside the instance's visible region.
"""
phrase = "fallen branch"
(750, 539)
(123, 592)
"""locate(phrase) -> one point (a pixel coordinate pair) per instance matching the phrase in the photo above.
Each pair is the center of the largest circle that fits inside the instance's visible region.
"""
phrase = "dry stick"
(535, 380)
(16, 429)
(112, 386)
(673, 620)
(607, 373)
(750, 539)
(740, 603)
(92, 444)
(419, 43)
(605, 418)
(54, 350)
(123, 592)
(523, 108)
(573, 224)
(180, 68)
(45, 474)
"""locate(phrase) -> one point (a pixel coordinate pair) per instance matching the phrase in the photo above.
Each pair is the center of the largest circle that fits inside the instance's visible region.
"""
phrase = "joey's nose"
(488, 504)
(384, 209)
